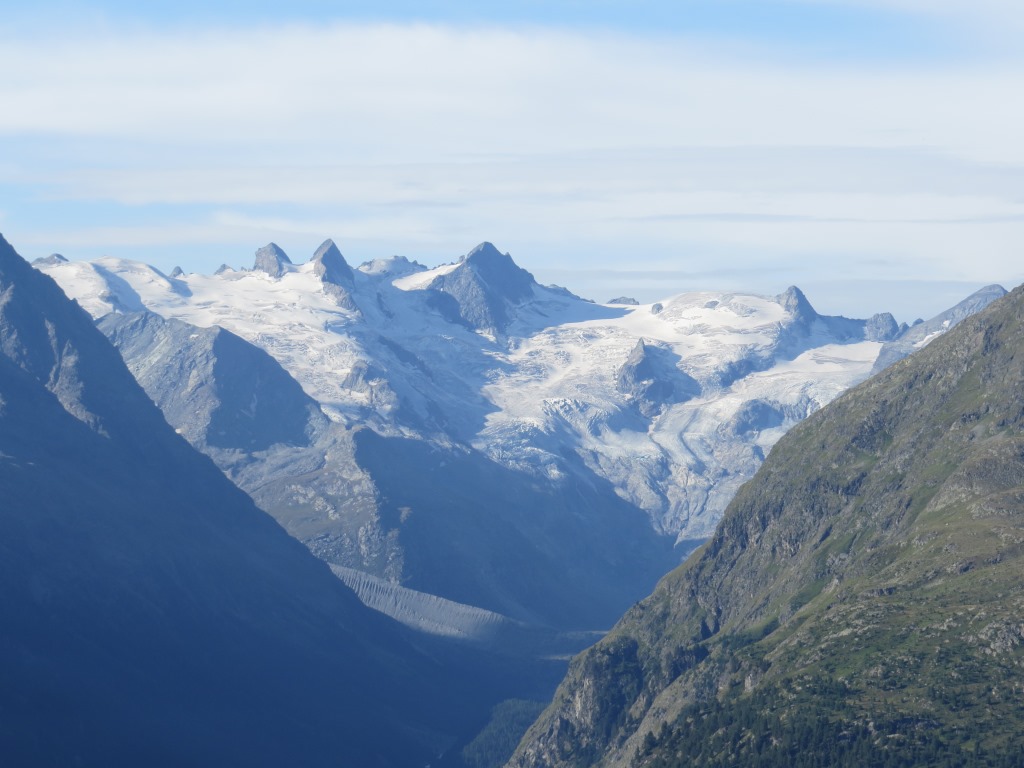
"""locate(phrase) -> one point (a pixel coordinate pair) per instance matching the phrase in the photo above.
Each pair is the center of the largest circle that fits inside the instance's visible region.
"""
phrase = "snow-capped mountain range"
(456, 426)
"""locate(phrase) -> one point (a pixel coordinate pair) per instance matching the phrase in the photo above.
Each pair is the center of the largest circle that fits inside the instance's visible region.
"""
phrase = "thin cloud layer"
(586, 148)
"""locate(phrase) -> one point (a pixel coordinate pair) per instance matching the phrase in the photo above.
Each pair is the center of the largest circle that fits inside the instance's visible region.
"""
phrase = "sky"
(868, 151)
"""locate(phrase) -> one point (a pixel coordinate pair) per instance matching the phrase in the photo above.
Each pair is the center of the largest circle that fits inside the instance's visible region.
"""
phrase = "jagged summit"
(335, 274)
(881, 327)
(330, 266)
(272, 260)
(500, 271)
(486, 285)
(651, 377)
(176, 272)
(794, 301)
(483, 252)
(627, 300)
(486, 252)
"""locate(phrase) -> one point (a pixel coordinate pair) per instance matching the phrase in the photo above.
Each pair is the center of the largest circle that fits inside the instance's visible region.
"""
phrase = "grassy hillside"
(861, 603)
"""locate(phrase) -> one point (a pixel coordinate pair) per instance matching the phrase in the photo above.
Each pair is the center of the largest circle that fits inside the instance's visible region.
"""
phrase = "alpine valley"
(464, 433)
(502, 468)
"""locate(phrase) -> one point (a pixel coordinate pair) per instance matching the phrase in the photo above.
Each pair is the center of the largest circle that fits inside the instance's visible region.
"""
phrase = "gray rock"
(797, 305)
(272, 260)
(653, 379)
(215, 388)
(881, 327)
(330, 266)
(335, 273)
(487, 286)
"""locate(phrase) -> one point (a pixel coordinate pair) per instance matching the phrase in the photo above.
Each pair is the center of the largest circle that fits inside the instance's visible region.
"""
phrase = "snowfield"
(675, 424)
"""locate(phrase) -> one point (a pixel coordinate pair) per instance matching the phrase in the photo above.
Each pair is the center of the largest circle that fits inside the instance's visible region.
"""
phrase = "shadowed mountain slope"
(152, 614)
(860, 603)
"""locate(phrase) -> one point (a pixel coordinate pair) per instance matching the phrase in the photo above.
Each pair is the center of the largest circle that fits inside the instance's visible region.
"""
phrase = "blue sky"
(865, 150)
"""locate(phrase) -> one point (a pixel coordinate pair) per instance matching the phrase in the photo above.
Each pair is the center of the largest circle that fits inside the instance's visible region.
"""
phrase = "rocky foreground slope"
(861, 602)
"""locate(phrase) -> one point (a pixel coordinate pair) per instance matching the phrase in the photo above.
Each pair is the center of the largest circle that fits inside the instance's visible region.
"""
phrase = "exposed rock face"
(335, 273)
(794, 302)
(330, 266)
(218, 390)
(867, 580)
(624, 300)
(881, 327)
(805, 319)
(272, 260)
(487, 286)
(652, 378)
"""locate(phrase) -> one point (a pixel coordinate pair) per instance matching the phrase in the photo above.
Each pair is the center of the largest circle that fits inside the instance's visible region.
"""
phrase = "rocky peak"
(653, 379)
(272, 260)
(335, 274)
(487, 285)
(881, 327)
(502, 275)
(794, 302)
(330, 266)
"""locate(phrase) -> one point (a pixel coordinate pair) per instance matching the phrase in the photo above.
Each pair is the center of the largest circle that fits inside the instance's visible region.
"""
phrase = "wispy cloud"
(385, 93)
(579, 147)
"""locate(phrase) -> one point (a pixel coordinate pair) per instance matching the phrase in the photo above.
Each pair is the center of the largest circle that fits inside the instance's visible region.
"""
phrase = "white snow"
(400, 368)
(421, 280)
